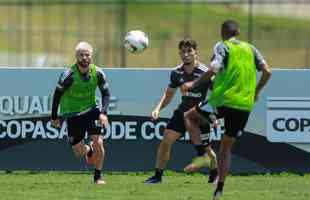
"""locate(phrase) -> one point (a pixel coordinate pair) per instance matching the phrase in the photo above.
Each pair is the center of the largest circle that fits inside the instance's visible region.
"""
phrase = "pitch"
(129, 186)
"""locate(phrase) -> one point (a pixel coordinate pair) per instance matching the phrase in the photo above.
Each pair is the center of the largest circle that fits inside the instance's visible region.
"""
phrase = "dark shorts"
(77, 126)
(234, 119)
(176, 123)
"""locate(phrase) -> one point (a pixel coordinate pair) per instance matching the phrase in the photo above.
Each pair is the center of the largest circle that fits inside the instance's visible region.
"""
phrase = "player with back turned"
(235, 90)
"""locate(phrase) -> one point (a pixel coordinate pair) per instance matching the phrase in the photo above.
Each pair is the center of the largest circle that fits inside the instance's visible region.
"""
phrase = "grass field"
(129, 186)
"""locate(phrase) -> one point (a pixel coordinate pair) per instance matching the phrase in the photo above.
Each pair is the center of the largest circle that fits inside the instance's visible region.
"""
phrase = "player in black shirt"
(189, 70)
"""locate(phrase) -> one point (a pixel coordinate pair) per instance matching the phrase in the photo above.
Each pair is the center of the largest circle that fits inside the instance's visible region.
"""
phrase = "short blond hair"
(83, 46)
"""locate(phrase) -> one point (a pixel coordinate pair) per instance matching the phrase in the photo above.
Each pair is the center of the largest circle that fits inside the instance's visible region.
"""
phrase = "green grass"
(55, 29)
(176, 186)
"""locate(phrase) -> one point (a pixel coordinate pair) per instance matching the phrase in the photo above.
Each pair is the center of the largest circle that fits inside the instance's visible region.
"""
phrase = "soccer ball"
(136, 41)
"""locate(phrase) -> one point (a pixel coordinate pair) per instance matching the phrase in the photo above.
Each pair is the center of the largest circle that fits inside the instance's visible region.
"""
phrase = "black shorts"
(78, 125)
(234, 119)
(176, 123)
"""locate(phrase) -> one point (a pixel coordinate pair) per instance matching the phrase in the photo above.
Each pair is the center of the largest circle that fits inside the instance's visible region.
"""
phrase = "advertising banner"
(289, 120)
(276, 137)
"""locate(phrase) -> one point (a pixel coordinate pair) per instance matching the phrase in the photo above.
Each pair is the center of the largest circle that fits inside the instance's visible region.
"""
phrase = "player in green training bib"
(76, 95)
(235, 90)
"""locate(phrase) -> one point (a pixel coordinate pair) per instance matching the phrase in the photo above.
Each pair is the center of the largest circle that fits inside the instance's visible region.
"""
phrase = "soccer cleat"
(197, 164)
(100, 181)
(152, 180)
(217, 194)
(213, 175)
(90, 156)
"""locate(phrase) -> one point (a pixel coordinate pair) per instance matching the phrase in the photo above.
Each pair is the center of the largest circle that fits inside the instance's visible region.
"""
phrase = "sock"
(200, 150)
(220, 186)
(97, 174)
(91, 150)
(159, 172)
(213, 171)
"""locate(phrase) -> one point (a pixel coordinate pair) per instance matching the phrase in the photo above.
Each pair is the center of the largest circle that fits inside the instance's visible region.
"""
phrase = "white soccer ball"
(136, 41)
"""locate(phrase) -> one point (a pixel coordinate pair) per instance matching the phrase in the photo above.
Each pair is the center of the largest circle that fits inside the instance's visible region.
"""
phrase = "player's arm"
(63, 84)
(105, 97)
(217, 63)
(266, 74)
(262, 66)
(203, 78)
(168, 94)
(164, 101)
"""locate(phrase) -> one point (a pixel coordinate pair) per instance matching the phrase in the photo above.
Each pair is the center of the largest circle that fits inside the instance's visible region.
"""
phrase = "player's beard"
(84, 63)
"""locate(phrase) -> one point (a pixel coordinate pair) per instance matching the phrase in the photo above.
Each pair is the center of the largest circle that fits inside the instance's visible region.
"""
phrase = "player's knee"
(170, 137)
(227, 141)
(191, 118)
(225, 148)
(99, 149)
(166, 142)
(98, 142)
(188, 116)
(78, 153)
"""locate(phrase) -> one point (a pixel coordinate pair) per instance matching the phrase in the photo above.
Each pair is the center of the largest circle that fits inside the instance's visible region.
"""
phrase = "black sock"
(97, 174)
(90, 152)
(213, 171)
(200, 150)
(159, 172)
(220, 186)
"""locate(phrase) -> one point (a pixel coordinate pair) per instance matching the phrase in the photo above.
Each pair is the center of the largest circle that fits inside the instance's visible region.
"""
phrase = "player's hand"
(103, 120)
(155, 115)
(187, 86)
(216, 123)
(55, 123)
